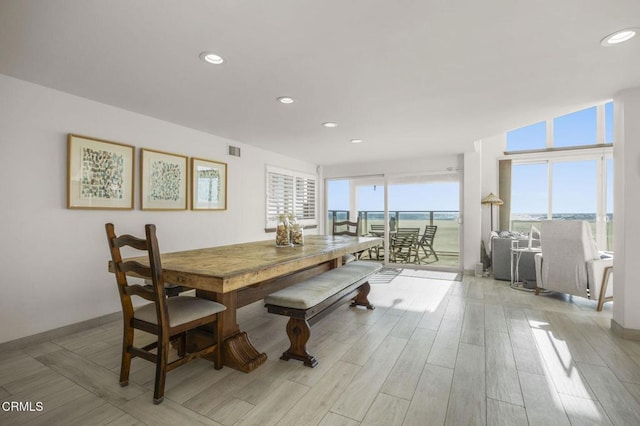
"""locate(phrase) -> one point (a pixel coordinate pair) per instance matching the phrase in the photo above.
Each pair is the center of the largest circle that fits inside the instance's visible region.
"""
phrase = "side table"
(516, 254)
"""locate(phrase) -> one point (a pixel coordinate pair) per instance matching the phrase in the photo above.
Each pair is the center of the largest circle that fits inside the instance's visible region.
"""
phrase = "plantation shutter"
(280, 195)
(305, 205)
(290, 192)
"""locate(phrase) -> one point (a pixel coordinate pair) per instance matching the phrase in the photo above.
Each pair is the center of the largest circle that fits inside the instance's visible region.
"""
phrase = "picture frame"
(100, 174)
(208, 184)
(163, 180)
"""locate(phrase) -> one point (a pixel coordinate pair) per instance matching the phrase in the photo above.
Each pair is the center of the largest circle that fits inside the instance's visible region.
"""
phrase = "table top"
(227, 268)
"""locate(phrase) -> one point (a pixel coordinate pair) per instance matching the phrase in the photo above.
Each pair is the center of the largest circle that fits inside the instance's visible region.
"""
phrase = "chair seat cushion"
(182, 309)
(309, 293)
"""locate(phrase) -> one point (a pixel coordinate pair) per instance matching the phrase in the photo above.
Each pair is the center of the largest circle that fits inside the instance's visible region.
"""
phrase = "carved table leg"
(361, 298)
(238, 351)
(299, 332)
(240, 354)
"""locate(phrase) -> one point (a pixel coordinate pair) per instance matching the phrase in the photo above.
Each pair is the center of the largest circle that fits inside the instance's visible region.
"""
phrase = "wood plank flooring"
(433, 352)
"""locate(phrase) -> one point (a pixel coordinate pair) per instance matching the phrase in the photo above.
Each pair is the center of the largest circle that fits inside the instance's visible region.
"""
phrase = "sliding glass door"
(575, 191)
(415, 202)
(529, 195)
(578, 188)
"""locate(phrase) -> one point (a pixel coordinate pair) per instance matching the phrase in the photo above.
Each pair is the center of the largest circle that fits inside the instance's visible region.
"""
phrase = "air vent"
(234, 150)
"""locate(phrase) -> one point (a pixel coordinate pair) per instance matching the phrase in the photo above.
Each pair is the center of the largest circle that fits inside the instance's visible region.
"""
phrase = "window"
(529, 195)
(575, 129)
(585, 128)
(290, 192)
(608, 122)
(572, 181)
(564, 188)
(529, 137)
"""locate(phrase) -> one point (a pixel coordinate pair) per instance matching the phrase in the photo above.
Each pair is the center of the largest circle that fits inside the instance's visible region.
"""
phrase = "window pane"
(530, 137)
(608, 122)
(577, 128)
(575, 191)
(529, 195)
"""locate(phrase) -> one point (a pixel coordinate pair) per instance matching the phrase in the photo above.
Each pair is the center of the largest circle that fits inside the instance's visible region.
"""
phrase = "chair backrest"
(155, 292)
(405, 237)
(429, 234)
(566, 246)
(377, 230)
(346, 227)
(409, 230)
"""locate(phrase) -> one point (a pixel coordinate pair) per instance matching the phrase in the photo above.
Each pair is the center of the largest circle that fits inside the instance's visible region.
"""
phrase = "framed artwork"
(208, 185)
(163, 180)
(99, 174)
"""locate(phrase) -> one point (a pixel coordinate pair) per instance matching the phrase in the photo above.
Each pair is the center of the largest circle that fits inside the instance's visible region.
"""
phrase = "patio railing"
(447, 239)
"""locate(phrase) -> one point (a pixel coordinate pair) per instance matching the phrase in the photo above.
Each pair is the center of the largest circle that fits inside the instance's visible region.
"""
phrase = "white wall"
(492, 150)
(54, 260)
(626, 226)
(472, 220)
(395, 167)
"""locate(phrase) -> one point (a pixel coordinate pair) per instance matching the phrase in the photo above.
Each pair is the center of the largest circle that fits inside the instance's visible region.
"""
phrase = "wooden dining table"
(239, 274)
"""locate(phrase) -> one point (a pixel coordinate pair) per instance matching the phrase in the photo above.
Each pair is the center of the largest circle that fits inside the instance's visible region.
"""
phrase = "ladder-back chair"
(167, 318)
(426, 243)
(403, 245)
(346, 227)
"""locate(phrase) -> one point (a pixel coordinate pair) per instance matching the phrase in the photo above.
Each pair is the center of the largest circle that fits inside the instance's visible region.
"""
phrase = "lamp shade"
(492, 199)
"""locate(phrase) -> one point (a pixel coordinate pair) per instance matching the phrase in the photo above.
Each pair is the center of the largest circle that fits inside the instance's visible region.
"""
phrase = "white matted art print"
(163, 180)
(208, 184)
(99, 173)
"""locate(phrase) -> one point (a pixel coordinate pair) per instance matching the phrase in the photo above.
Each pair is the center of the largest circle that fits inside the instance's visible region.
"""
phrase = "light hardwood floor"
(432, 352)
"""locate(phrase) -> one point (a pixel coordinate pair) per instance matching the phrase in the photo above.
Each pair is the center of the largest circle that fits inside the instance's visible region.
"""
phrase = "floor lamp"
(493, 200)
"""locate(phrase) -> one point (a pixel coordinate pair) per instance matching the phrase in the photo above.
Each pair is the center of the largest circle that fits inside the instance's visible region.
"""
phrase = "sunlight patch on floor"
(404, 294)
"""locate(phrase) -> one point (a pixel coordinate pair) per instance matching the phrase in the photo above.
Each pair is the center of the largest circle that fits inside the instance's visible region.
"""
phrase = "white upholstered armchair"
(570, 262)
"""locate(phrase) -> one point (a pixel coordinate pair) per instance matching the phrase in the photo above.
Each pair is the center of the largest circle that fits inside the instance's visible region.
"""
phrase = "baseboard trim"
(46, 336)
(625, 333)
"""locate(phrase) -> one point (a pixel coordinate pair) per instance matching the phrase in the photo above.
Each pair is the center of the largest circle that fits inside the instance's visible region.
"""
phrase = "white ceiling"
(410, 77)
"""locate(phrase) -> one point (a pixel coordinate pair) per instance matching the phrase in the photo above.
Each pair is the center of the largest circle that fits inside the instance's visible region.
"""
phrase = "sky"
(574, 183)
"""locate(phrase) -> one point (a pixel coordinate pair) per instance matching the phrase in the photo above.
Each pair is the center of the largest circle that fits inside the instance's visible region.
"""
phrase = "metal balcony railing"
(447, 239)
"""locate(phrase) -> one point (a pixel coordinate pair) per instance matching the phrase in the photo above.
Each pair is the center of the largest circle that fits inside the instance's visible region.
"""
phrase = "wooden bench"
(308, 301)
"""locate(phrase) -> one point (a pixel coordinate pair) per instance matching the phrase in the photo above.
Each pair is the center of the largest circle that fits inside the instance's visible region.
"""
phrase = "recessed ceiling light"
(285, 100)
(330, 124)
(356, 140)
(211, 58)
(619, 37)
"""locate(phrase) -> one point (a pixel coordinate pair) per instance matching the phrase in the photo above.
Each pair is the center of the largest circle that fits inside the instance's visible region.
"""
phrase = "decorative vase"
(283, 232)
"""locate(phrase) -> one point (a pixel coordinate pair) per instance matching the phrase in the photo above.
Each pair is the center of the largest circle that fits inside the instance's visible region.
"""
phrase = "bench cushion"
(309, 293)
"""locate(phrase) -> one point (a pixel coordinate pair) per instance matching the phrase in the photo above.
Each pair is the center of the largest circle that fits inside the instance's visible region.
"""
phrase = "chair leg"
(434, 252)
(603, 288)
(125, 364)
(182, 345)
(161, 369)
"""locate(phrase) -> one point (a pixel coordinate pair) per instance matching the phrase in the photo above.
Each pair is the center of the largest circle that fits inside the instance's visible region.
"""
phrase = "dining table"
(237, 275)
